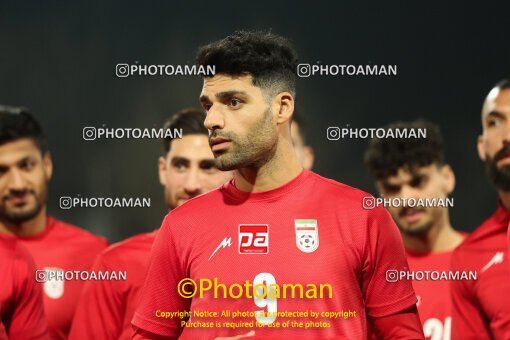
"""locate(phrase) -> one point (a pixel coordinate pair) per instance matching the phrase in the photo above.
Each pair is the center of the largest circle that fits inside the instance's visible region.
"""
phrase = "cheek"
(174, 180)
(393, 212)
(36, 179)
(3, 186)
(492, 143)
(435, 188)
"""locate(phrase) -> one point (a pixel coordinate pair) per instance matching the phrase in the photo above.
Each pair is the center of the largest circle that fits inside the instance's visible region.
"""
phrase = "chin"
(418, 229)
(225, 164)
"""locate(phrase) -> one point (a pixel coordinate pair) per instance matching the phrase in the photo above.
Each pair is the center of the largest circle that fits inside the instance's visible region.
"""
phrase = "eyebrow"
(413, 177)
(494, 113)
(207, 162)
(202, 162)
(222, 95)
(179, 159)
(18, 162)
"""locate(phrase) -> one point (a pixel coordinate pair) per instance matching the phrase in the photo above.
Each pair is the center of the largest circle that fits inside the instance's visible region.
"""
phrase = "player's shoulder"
(489, 236)
(340, 192)
(490, 231)
(134, 244)
(8, 245)
(209, 201)
(13, 253)
(69, 231)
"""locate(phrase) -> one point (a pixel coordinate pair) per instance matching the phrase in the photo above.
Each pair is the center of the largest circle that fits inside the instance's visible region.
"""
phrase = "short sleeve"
(384, 258)
(159, 293)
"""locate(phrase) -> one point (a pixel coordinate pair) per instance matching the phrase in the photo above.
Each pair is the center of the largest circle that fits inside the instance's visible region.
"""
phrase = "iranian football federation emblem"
(307, 235)
(54, 283)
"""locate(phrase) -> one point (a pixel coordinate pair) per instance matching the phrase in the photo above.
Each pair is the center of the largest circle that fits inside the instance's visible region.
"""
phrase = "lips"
(218, 143)
(411, 215)
(17, 199)
(503, 153)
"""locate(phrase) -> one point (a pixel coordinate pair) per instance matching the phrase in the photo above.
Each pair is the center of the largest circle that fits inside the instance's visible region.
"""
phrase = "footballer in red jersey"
(278, 251)
(415, 168)
(186, 169)
(481, 308)
(21, 306)
(25, 170)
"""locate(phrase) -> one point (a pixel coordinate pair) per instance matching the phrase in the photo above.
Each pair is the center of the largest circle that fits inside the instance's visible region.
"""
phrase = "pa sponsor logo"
(253, 239)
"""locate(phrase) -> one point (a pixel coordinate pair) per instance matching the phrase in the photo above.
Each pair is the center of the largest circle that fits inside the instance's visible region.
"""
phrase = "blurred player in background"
(186, 169)
(300, 141)
(274, 223)
(21, 306)
(415, 168)
(25, 170)
(481, 308)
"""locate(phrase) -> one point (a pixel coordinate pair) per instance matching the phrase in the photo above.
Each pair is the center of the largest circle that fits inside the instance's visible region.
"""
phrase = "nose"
(506, 134)
(214, 118)
(408, 192)
(192, 185)
(15, 180)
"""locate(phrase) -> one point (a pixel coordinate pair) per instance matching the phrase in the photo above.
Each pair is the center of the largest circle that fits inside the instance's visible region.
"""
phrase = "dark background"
(58, 59)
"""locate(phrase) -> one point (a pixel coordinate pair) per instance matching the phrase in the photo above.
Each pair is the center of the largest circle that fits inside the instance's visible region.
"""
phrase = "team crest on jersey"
(53, 286)
(307, 235)
(253, 239)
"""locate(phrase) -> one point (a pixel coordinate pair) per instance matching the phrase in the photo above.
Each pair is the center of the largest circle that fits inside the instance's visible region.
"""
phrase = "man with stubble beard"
(274, 225)
(481, 308)
(25, 171)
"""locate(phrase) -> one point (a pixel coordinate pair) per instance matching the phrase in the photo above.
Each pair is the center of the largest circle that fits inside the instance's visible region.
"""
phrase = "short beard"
(253, 151)
(23, 216)
(416, 231)
(499, 177)
(20, 217)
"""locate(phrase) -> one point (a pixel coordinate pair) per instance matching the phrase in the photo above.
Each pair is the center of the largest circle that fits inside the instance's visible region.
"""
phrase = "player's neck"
(441, 237)
(279, 170)
(504, 197)
(31, 227)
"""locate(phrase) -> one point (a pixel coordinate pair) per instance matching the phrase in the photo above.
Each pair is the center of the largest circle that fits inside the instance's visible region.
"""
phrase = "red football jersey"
(21, 306)
(62, 247)
(481, 307)
(106, 308)
(310, 231)
(434, 302)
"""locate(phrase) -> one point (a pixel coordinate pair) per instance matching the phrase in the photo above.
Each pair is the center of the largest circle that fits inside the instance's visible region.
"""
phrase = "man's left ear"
(283, 105)
(48, 165)
(448, 179)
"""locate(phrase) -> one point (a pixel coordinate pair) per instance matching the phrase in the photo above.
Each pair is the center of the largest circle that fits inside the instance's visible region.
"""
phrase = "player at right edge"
(481, 307)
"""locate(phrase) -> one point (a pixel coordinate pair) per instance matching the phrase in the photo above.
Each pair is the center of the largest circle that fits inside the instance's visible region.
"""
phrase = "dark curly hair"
(383, 157)
(190, 121)
(267, 57)
(17, 123)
